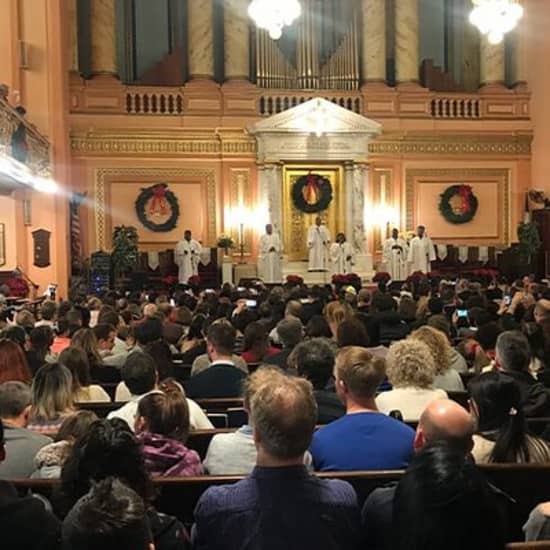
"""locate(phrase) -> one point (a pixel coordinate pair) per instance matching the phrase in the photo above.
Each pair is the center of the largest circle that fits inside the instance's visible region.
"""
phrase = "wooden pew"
(541, 545)
(526, 484)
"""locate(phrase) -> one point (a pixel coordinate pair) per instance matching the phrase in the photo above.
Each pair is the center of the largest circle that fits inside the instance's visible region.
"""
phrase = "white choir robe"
(318, 238)
(186, 256)
(270, 264)
(339, 254)
(395, 259)
(421, 254)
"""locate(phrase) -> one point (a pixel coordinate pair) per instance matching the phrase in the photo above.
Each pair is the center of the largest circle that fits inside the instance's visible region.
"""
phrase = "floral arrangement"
(347, 279)
(486, 273)
(225, 241)
(382, 277)
(417, 277)
(170, 280)
(294, 280)
(194, 281)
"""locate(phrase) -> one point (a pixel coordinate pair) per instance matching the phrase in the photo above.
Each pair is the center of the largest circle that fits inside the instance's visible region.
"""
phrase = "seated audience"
(352, 333)
(162, 427)
(13, 364)
(52, 398)
(222, 378)
(194, 343)
(314, 360)
(76, 360)
(48, 312)
(513, 357)
(442, 420)
(501, 426)
(50, 459)
(457, 361)
(86, 340)
(290, 331)
(363, 439)
(411, 371)
(24, 521)
(446, 378)
(111, 516)
(40, 340)
(386, 324)
(110, 316)
(21, 444)
(110, 449)
(280, 505)
(443, 501)
(256, 346)
(335, 314)
(62, 337)
(317, 327)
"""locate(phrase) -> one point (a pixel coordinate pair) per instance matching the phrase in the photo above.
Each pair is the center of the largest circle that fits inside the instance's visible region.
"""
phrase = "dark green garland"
(141, 202)
(447, 211)
(325, 191)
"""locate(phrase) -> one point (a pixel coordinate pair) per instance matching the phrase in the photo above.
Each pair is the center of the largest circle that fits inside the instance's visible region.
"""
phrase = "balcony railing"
(20, 140)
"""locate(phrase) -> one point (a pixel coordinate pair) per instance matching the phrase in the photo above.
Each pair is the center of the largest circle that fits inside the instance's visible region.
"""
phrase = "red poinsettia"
(194, 280)
(382, 277)
(294, 280)
(170, 280)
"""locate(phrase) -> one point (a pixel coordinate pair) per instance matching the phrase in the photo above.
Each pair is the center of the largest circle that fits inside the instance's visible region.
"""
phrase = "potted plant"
(226, 242)
(125, 249)
(529, 241)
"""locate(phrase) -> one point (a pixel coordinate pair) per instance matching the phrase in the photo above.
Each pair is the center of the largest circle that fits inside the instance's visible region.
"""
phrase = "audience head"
(17, 335)
(410, 363)
(76, 426)
(105, 335)
(86, 340)
(445, 420)
(290, 332)
(41, 339)
(15, 403)
(314, 360)
(352, 333)
(139, 373)
(513, 352)
(76, 360)
(283, 413)
(336, 313)
(52, 392)
(256, 380)
(495, 402)
(108, 448)
(440, 323)
(25, 319)
(220, 340)
(317, 327)
(13, 364)
(358, 374)
(444, 501)
(437, 343)
(256, 339)
(48, 310)
(164, 414)
(111, 516)
(149, 330)
(487, 335)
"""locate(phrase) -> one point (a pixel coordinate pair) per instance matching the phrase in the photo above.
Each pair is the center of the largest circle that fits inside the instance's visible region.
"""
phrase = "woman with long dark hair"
(256, 346)
(502, 434)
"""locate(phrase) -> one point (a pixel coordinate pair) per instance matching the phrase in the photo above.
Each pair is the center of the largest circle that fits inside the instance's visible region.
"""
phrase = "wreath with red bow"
(458, 204)
(312, 193)
(158, 201)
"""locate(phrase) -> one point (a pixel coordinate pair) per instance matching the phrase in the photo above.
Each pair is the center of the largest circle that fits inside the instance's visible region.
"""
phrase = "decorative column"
(271, 195)
(406, 41)
(102, 37)
(201, 39)
(236, 40)
(374, 41)
(519, 56)
(356, 182)
(73, 36)
(492, 63)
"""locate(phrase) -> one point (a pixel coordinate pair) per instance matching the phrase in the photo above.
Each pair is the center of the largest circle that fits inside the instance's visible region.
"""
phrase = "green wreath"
(468, 208)
(319, 190)
(161, 196)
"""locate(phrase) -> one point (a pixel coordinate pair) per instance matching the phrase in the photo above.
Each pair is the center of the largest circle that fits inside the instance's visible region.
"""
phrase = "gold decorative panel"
(296, 223)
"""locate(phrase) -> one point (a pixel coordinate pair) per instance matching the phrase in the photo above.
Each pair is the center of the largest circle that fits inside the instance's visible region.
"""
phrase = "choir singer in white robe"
(341, 255)
(187, 257)
(270, 268)
(318, 239)
(395, 256)
(421, 252)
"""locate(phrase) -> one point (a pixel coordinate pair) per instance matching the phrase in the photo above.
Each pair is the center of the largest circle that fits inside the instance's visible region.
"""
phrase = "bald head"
(445, 420)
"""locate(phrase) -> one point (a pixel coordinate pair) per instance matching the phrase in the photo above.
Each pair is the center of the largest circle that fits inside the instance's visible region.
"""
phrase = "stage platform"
(316, 278)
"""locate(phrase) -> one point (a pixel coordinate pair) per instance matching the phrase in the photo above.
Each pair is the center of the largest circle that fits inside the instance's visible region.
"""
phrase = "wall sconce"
(384, 216)
(239, 215)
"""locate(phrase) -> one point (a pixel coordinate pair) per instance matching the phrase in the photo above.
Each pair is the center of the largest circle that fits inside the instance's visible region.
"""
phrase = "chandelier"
(495, 18)
(273, 15)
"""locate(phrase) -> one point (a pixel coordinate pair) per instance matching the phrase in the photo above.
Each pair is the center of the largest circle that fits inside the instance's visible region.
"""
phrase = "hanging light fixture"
(274, 15)
(495, 18)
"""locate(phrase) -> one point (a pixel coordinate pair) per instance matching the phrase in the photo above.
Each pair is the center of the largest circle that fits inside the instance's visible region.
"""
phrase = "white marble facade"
(345, 138)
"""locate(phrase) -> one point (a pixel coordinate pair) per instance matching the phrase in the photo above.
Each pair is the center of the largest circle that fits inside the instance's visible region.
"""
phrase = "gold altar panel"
(296, 223)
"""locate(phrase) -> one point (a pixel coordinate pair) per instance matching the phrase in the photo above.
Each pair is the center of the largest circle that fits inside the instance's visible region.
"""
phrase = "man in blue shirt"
(280, 505)
(363, 439)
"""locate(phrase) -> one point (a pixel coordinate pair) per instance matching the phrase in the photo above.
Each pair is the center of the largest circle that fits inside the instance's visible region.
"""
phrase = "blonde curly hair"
(409, 363)
(438, 344)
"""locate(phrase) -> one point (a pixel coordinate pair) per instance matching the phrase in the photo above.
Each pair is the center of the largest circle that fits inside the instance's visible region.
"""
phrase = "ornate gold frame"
(502, 176)
(295, 223)
(102, 175)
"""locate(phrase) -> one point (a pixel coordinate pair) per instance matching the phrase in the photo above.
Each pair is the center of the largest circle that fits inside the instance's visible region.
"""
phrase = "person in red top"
(256, 346)
(63, 339)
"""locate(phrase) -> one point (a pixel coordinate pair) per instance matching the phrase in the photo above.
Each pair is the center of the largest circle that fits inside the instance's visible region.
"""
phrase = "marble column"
(406, 41)
(73, 36)
(374, 41)
(102, 31)
(201, 39)
(271, 195)
(519, 56)
(236, 40)
(492, 63)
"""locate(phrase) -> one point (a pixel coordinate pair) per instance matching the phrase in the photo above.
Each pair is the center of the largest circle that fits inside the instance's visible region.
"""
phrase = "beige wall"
(7, 217)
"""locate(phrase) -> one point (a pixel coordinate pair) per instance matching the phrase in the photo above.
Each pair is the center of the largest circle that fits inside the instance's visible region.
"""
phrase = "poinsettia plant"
(294, 280)
(382, 277)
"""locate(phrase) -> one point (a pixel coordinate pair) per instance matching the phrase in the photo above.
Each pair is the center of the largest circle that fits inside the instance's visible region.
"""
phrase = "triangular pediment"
(320, 115)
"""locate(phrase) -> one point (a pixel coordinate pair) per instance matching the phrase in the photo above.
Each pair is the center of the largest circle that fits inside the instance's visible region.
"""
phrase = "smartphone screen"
(462, 313)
